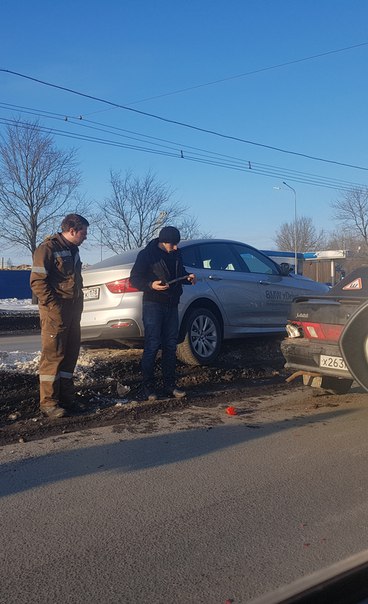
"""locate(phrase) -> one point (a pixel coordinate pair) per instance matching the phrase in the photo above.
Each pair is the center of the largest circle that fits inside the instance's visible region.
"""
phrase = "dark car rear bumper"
(302, 354)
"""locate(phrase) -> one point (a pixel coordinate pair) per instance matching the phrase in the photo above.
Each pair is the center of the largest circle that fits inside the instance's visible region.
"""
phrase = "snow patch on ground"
(16, 305)
(28, 362)
(19, 362)
(23, 362)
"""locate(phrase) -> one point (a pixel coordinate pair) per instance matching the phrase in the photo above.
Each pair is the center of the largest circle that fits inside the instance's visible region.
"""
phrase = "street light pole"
(295, 227)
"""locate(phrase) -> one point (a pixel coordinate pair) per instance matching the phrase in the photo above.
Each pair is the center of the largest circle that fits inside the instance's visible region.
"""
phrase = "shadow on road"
(140, 453)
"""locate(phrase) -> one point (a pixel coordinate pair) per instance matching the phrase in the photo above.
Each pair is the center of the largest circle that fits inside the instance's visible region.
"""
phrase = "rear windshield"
(127, 257)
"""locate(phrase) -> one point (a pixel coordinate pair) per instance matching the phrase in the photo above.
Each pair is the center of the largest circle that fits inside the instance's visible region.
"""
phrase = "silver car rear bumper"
(113, 330)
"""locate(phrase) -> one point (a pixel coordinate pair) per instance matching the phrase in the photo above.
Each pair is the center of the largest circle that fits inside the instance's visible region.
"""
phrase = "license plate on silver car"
(330, 362)
(91, 293)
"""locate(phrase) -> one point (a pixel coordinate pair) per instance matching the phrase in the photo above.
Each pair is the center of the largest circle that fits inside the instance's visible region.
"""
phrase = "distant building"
(325, 266)
(288, 257)
(331, 266)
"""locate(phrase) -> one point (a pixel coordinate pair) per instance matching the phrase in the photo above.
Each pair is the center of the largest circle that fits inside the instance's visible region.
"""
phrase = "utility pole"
(295, 227)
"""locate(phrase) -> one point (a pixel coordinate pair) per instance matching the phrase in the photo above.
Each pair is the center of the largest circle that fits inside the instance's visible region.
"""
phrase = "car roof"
(187, 242)
(129, 256)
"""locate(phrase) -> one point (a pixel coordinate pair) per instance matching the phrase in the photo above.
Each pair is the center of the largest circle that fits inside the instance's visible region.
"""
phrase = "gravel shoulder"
(110, 377)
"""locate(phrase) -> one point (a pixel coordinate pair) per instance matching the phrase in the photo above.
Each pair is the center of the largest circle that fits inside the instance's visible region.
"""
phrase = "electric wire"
(246, 74)
(183, 124)
(253, 169)
(209, 158)
(178, 147)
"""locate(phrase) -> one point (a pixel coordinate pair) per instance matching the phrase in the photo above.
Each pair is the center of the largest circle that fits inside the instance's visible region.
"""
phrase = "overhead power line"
(249, 73)
(177, 147)
(183, 124)
(207, 158)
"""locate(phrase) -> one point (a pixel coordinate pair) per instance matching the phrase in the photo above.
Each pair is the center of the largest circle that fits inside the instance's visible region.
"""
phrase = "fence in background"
(15, 284)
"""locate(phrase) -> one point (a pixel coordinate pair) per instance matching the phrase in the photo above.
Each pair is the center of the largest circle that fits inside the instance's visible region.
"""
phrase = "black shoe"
(73, 407)
(151, 395)
(146, 394)
(174, 392)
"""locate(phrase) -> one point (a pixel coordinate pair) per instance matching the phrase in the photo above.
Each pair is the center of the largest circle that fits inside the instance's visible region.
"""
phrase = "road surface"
(189, 506)
(25, 343)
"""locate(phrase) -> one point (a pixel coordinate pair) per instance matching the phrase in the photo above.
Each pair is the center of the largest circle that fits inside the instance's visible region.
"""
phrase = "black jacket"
(154, 264)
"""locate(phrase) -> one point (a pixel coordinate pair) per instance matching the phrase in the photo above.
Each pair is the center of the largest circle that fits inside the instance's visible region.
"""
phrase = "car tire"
(202, 338)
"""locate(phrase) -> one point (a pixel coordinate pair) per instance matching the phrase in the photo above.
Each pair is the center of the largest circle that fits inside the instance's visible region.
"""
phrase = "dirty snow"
(24, 362)
(17, 305)
(27, 362)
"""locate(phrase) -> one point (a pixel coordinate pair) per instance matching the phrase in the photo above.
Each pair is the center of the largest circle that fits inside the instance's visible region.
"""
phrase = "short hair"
(73, 221)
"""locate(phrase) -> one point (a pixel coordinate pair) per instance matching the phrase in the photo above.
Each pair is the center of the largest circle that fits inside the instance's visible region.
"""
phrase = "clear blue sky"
(127, 51)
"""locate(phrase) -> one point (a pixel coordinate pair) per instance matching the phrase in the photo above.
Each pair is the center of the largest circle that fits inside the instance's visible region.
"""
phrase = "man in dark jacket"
(156, 265)
(56, 280)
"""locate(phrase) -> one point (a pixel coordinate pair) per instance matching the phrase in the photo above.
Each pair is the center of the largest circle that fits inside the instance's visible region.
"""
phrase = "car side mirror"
(285, 269)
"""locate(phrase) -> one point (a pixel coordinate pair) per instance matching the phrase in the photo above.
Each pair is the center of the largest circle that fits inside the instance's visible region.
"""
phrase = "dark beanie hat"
(169, 234)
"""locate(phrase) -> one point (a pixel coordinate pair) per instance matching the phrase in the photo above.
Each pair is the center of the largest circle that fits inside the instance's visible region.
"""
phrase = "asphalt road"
(25, 343)
(180, 511)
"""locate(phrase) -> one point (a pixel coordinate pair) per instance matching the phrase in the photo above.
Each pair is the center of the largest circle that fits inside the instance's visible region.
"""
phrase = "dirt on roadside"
(110, 377)
(12, 322)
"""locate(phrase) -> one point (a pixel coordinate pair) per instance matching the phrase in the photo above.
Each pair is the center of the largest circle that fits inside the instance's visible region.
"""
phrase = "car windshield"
(256, 262)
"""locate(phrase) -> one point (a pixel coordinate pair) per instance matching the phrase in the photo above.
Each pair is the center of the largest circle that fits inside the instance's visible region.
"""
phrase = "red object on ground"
(231, 411)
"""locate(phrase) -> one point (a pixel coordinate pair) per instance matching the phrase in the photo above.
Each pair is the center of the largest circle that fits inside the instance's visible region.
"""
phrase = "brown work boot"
(53, 412)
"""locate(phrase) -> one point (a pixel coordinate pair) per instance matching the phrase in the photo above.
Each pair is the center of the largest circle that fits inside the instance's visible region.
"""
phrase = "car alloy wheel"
(202, 341)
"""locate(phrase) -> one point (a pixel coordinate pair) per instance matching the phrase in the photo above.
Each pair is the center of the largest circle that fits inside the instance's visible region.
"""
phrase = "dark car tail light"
(322, 331)
(121, 286)
(294, 330)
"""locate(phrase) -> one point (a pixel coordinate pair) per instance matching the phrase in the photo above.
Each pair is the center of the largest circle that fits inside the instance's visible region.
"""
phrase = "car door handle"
(264, 282)
(214, 278)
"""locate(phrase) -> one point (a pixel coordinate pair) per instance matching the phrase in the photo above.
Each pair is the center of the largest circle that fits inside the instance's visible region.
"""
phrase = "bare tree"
(189, 229)
(344, 239)
(37, 181)
(351, 210)
(307, 236)
(136, 211)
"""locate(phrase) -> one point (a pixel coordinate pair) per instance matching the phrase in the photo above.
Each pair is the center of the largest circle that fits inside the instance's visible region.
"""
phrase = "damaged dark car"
(327, 343)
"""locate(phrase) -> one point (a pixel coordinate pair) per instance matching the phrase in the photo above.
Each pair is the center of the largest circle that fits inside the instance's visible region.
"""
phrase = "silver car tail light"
(121, 286)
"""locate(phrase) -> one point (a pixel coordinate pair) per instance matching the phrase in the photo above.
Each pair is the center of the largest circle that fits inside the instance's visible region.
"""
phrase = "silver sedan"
(239, 292)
